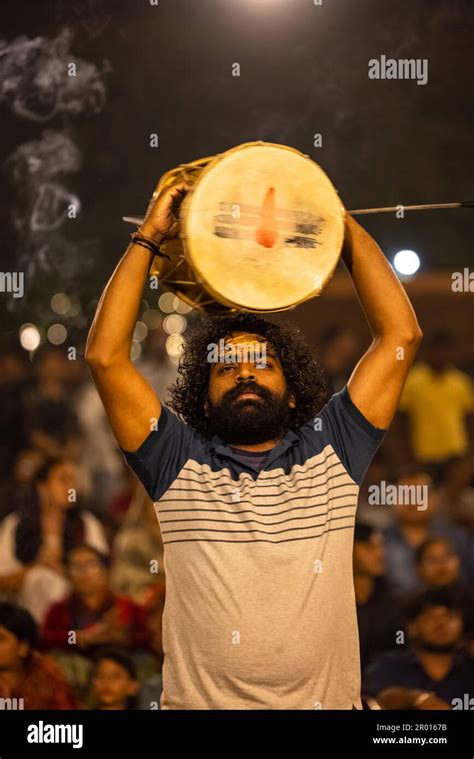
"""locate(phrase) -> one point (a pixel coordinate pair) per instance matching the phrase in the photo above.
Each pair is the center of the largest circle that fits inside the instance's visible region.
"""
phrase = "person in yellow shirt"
(438, 399)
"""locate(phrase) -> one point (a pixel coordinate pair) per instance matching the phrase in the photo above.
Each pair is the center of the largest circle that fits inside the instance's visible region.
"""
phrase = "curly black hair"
(304, 376)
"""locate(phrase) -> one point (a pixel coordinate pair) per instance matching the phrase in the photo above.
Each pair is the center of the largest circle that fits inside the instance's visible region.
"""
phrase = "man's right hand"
(162, 219)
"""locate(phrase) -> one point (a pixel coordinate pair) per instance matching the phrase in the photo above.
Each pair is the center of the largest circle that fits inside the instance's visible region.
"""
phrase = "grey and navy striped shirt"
(260, 608)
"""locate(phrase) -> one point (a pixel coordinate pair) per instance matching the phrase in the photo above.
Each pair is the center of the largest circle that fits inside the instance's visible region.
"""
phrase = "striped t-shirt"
(260, 608)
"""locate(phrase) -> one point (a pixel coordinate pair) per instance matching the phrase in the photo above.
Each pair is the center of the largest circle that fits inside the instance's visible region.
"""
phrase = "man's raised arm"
(377, 381)
(129, 401)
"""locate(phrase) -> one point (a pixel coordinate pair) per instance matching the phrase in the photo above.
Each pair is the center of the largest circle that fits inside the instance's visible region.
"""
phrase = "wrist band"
(147, 242)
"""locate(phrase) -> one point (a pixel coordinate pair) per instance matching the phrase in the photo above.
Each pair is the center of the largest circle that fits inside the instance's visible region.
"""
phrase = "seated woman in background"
(35, 538)
(92, 615)
(25, 673)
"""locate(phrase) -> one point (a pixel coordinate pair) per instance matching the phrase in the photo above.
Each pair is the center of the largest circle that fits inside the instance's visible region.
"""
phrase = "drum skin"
(261, 230)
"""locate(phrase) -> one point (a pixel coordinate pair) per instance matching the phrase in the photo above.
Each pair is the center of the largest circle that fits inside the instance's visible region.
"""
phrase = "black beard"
(250, 421)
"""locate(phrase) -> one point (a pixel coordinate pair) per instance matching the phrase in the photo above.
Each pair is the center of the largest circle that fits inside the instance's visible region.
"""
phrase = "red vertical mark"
(266, 233)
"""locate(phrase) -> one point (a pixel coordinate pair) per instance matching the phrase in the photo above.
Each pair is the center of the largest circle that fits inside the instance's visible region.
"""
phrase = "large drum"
(261, 230)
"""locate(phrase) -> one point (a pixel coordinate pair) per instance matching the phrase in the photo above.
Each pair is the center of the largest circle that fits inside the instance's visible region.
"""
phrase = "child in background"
(114, 680)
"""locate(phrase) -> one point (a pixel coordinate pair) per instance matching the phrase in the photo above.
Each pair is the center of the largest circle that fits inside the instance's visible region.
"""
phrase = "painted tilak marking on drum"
(266, 233)
(269, 220)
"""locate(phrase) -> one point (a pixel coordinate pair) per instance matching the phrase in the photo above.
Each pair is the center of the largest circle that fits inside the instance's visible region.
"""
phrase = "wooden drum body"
(261, 230)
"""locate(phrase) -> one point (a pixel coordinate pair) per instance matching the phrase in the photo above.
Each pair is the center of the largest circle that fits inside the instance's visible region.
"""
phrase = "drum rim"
(187, 201)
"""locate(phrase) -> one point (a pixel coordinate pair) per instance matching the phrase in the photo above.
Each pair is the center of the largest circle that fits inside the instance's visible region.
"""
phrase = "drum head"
(263, 228)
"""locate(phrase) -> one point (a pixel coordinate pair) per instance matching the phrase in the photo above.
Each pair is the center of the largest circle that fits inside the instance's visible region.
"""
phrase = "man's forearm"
(383, 299)
(110, 336)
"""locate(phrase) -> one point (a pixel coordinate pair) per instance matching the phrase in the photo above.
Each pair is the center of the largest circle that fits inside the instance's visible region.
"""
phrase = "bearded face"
(249, 402)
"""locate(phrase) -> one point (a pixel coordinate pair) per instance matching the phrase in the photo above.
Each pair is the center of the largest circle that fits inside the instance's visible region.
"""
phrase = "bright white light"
(29, 337)
(406, 262)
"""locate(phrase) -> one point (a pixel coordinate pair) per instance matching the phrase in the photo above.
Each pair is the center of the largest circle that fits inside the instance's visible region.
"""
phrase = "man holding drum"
(255, 484)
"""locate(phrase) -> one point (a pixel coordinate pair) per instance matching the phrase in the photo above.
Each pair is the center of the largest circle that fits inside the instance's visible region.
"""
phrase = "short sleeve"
(162, 455)
(352, 436)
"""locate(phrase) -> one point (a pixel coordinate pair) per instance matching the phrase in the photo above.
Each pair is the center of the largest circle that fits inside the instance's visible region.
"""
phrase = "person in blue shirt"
(435, 671)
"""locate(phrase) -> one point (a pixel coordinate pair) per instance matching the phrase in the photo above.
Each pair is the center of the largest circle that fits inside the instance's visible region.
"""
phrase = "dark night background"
(167, 69)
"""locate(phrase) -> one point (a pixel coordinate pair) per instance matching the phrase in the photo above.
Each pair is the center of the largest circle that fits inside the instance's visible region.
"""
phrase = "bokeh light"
(183, 308)
(174, 346)
(406, 262)
(152, 318)
(168, 303)
(61, 303)
(30, 337)
(57, 334)
(140, 332)
(136, 350)
(174, 324)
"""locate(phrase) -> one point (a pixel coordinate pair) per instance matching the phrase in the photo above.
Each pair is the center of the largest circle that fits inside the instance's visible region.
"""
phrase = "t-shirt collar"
(290, 438)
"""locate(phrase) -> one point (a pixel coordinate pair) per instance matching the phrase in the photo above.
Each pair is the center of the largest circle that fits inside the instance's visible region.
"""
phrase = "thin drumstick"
(133, 219)
(360, 211)
(422, 207)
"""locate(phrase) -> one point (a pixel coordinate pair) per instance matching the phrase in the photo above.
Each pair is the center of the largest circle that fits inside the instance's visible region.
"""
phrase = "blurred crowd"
(82, 583)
